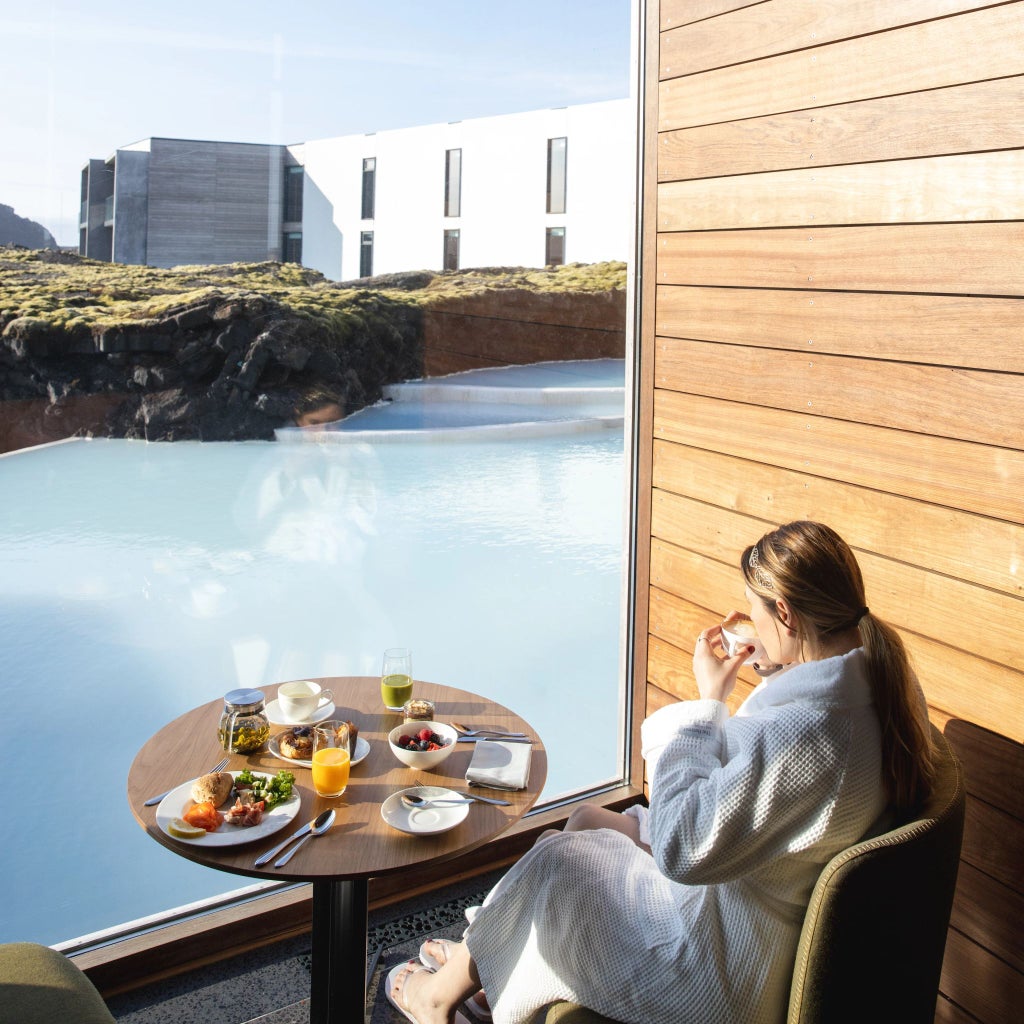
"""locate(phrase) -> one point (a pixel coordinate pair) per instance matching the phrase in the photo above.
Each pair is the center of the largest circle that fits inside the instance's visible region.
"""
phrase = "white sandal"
(473, 1004)
(389, 985)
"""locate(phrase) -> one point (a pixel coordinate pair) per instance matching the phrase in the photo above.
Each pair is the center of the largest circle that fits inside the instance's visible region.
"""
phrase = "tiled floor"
(271, 986)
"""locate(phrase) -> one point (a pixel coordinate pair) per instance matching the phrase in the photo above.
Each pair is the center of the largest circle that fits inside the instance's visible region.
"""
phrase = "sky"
(84, 79)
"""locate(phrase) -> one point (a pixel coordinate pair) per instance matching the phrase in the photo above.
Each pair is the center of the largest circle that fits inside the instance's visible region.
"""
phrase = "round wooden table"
(360, 844)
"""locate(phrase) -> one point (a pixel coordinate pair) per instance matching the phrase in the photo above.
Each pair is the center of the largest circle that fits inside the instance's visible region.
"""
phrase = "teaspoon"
(324, 822)
(413, 801)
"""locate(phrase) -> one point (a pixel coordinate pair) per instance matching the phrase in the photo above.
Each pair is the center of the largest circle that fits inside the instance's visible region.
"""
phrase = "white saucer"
(276, 716)
(362, 749)
(424, 821)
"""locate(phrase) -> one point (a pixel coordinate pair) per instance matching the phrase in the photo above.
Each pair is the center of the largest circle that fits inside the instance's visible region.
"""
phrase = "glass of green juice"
(396, 678)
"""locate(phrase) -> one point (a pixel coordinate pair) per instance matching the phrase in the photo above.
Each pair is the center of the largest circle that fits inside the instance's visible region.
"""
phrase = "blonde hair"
(813, 569)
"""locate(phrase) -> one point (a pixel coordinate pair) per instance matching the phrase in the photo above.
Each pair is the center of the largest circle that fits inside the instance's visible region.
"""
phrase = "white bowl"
(422, 758)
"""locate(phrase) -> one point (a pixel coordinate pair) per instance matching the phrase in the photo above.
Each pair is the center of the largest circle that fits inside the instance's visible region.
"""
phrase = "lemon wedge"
(183, 830)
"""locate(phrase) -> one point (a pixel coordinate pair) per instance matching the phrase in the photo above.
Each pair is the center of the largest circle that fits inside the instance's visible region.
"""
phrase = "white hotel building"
(532, 189)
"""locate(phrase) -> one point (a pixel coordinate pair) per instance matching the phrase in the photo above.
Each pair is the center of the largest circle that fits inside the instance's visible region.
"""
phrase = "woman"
(745, 812)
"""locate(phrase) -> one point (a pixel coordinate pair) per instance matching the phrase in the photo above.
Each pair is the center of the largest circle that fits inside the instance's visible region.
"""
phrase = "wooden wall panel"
(943, 401)
(838, 334)
(966, 187)
(766, 29)
(900, 62)
(956, 259)
(945, 330)
(957, 119)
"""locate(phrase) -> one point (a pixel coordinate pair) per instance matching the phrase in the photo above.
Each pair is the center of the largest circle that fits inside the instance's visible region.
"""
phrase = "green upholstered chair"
(875, 931)
(38, 985)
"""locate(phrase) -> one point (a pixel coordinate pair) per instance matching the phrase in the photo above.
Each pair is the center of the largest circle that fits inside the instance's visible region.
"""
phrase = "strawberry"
(425, 734)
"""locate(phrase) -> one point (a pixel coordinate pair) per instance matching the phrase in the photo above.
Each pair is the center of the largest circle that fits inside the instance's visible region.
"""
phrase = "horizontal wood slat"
(683, 12)
(980, 549)
(968, 118)
(969, 405)
(965, 187)
(769, 29)
(990, 913)
(969, 618)
(884, 64)
(985, 986)
(992, 844)
(993, 765)
(939, 400)
(977, 478)
(944, 330)
(956, 259)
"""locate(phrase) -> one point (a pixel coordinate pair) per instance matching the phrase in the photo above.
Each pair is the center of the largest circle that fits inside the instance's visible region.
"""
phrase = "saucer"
(276, 715)
(425, 821)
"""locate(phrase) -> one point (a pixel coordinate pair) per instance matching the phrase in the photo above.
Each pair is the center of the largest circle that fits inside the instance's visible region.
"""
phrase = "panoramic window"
(452, 184)
(366, 254)
(451, 250)
(369, 187)
(220, 469)
(557, 155)
(554, 247)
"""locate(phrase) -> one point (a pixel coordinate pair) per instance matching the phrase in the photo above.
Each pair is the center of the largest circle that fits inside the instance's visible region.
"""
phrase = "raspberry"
(425, 734)
(404, 741)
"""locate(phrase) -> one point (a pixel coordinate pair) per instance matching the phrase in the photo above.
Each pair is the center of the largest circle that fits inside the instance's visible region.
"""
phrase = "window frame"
(451, 235)
(558, 173)
(453, 170)
(369, 188)
(365, 261)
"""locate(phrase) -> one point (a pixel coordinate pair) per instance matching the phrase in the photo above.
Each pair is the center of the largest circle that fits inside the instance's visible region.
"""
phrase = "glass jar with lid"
(244, 726)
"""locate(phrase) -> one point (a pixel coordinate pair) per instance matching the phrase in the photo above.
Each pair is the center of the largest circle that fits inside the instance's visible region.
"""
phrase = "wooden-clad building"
(832, 327)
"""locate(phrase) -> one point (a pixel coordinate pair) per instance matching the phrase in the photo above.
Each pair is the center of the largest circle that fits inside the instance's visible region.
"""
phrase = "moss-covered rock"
(230, 351)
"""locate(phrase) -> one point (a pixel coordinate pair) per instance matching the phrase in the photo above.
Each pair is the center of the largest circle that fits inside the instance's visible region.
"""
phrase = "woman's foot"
(435, 953)
(405, 992)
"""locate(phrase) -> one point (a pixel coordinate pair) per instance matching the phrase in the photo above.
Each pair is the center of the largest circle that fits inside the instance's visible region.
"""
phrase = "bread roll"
(214, 788)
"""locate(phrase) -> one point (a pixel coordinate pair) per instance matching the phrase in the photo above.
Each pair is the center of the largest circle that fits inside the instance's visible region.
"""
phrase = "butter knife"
(494, 739)
(263, 858)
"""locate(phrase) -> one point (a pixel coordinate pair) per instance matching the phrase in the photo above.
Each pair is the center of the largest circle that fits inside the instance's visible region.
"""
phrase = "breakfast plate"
(362, 749)
(180, 800)
(425, 821)
(276, 715)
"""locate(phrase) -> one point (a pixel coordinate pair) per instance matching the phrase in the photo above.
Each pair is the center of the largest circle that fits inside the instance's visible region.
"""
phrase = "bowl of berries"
(422, 744)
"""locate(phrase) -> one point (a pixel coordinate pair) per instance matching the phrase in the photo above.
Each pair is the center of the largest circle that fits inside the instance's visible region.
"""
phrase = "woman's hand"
(715, 671)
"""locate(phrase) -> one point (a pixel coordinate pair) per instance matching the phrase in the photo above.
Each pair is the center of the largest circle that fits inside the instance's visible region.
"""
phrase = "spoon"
(414, 802)
(322, 824)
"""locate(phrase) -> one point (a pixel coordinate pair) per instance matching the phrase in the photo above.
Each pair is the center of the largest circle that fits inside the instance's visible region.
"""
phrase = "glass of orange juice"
(331, 758)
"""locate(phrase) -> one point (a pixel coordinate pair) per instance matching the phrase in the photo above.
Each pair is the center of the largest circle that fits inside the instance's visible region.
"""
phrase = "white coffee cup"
(742, 634)
(300, 700)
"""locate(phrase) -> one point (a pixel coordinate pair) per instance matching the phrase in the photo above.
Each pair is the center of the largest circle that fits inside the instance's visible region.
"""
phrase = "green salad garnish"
(271, 791)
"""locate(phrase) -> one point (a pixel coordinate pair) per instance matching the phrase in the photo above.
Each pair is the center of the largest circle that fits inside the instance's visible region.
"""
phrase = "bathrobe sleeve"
(730, 794)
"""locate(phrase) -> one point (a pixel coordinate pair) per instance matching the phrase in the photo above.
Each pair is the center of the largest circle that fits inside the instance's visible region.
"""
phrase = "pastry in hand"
(213, 789)
(297, 743)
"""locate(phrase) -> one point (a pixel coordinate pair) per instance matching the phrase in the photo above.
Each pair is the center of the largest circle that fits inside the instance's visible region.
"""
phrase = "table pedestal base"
(338, 986)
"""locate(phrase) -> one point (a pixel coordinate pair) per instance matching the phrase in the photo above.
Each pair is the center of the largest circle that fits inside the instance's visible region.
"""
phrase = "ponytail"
(813, 568)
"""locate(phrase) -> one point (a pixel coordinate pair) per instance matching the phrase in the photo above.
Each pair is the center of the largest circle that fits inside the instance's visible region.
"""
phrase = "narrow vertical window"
(556, 175)
(369, 186)
(366, 254)
(291, 250)
(554, 248)
(453, 183)
(451, 250)
(293, 177)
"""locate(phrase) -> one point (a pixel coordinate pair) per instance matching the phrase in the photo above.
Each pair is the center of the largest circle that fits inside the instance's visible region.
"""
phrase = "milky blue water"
(138, 580)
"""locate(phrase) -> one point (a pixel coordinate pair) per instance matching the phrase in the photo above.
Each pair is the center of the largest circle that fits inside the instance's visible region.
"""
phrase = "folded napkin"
(500, 765)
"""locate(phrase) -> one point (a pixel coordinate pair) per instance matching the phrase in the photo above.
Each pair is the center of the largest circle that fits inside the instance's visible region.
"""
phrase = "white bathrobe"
(745, 812)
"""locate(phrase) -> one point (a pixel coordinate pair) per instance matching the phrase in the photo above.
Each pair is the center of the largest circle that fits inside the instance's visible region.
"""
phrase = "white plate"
(180, 800)
(276, 715)
(424, 821)
(362, 749)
